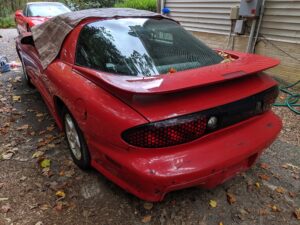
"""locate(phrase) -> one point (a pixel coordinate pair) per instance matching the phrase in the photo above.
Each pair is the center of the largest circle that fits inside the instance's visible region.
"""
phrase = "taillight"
(187, 128)
(270, 98)
(167, 133)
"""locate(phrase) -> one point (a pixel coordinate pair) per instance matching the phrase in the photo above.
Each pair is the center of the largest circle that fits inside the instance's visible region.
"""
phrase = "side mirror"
(19, 13)
(27, 40)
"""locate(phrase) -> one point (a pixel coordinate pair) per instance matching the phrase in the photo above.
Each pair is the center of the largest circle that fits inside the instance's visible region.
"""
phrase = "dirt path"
(267, 194)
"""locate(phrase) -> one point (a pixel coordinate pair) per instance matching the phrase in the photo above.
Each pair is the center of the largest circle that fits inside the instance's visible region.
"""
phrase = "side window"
(96, 50)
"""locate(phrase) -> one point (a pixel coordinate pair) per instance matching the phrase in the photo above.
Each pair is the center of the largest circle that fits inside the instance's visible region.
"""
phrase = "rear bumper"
(207, 162)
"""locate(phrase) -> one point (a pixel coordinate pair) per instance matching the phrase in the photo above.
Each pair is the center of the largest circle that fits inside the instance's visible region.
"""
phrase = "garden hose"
(292, 99)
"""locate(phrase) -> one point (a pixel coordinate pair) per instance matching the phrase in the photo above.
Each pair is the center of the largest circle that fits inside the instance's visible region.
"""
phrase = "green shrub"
(138, 4)
(7, 22)
(88, 4)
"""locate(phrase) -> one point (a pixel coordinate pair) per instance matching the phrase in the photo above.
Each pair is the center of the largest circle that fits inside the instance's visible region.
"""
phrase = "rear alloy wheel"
(76, 142)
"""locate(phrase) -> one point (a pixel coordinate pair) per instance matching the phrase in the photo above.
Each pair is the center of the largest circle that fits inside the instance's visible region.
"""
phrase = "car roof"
(48, 43)
(44, 3)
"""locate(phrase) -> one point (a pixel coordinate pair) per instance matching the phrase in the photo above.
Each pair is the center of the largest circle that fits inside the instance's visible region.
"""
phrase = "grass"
(138, 4)
(7, 22)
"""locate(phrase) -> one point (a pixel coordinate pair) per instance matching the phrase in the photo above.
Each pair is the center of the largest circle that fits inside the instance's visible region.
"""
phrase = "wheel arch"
(59, 107)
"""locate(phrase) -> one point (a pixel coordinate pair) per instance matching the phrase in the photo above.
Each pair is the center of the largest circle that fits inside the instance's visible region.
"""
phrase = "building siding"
(281, 21)
(209, 21)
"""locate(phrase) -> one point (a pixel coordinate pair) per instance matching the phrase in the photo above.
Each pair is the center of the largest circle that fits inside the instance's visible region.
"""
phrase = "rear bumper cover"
(206, 162)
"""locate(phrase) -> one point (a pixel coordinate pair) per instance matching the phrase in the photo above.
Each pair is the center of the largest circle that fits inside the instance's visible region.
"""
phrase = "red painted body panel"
(104, 112)
(24, 23)
(206, 162)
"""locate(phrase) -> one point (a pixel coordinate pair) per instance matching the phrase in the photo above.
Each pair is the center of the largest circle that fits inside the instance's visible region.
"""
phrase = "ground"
(269, 193)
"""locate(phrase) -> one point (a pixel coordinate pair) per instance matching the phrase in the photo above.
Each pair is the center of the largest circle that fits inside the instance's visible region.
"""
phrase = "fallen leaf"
(5, 208)
(45, 163)
(23, 178)
(257, 185)
(275, 208)
(231, 198)
(60, 194)
(51, 145)
(16, 98)
(148, 205)
(280, 190)
(24, 127)
(264, 166)
(17, 79)
(263, 212)
(47, 172)
(51, 128)
(44, 207)
(146, 219)
(3, 199)
(39, 115)
(297, 213)
(221, 223)
(264, 177)
(7, 156)
(70, 173)
(59, 206)
(37, 154)
(213, 203)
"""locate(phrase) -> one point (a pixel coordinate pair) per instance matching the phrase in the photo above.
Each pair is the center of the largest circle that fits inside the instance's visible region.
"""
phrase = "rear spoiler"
(243, 65)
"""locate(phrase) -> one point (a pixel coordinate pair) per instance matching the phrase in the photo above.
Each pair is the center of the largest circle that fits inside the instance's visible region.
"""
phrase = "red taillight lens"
(191, 127)
(167, 133)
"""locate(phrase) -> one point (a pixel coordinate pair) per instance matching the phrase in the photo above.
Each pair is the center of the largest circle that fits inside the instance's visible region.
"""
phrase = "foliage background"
(8, 7)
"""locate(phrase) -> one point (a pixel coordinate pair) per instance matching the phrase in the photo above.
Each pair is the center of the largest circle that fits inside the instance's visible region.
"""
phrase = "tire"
(76, 142)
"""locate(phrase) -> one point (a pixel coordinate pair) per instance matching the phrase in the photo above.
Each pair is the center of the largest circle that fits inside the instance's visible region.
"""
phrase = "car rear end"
(214, 133)
(205, 119)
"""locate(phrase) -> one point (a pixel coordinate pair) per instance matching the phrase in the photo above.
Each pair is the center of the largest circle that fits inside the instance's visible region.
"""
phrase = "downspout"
(158, 5)
(162, 5)
(250, 41)
(259, 25)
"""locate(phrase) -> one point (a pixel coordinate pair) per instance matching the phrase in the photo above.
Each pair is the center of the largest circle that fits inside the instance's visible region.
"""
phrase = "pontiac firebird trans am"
(147, 104)
(35, 13)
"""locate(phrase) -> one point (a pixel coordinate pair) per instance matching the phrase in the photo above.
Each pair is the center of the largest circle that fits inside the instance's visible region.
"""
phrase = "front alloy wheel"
(76, 142)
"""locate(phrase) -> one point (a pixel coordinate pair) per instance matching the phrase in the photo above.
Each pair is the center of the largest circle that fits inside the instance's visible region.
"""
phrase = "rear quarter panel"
(101, 116)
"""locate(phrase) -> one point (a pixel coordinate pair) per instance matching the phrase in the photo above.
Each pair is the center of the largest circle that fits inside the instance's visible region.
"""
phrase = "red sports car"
(36, 13)
(147, 104)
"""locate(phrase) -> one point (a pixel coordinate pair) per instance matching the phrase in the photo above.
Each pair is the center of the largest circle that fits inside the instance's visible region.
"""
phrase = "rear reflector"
(190, 127)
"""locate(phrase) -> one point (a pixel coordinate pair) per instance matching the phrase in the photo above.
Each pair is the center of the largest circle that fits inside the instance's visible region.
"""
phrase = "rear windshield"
(47, 10)
(141, 47)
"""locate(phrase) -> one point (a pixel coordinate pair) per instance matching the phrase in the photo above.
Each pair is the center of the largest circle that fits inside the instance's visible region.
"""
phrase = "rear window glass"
(141, 47)
(47, 10)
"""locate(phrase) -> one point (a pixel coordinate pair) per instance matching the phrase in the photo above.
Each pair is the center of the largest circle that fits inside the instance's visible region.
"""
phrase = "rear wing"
(243, 65)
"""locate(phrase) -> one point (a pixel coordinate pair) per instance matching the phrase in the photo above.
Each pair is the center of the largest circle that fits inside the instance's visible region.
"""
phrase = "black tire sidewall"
(85, 161)
(25, 74)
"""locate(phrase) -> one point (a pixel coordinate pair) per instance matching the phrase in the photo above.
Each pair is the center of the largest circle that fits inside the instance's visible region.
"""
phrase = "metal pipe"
(261, 14)
(250, 41)
(162, 5)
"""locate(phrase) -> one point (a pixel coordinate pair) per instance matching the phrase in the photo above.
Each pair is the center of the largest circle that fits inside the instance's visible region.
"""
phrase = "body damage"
(104, 111)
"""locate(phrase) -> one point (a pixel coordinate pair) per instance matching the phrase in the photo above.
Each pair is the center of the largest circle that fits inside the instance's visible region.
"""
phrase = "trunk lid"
(170, 95)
